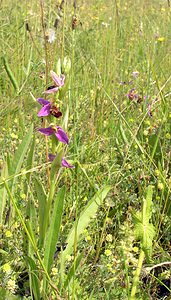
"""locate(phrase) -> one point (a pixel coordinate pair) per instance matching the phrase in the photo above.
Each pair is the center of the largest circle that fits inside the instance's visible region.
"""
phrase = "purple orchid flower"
(56, 130)
(48, 109)
(132, 94)
(59, 82)
(64, 163)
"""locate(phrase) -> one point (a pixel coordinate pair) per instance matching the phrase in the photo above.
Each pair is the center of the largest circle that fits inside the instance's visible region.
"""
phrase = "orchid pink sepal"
(64, 163)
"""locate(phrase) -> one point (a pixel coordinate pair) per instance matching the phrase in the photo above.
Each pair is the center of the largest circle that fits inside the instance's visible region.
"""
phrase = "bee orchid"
(48, 109)
(57, 131)
(58, 80)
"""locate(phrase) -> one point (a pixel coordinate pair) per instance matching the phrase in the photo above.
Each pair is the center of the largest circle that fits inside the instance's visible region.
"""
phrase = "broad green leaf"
(144, 230)
(53, 231)
(19, 155)
(18, 159)
(85, 217)
(41, 197)
(33, 274)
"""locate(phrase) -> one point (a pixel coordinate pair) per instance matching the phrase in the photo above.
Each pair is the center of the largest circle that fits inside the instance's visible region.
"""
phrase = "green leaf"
(18, 158)
(41, 197)
(85, 217)
(10, 74)
(53, 231)
(19, 155)
(3, 192)
(35, 283)
(144, 230)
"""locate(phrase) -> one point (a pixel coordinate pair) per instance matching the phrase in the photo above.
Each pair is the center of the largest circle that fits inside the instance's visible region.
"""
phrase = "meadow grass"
(109, 238)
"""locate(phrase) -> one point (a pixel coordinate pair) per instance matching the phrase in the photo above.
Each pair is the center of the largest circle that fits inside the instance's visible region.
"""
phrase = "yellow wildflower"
(168, 136)
(14, 136)
(135, 249)
(157, 172)
(160, 186)
(8, 233)
(88, 238)
(108, 252)
(161, 39)
(6, 268)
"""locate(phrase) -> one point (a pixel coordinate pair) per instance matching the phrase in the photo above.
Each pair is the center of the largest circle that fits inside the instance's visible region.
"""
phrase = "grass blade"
(10, 74)
(30, 159)
(3, 193)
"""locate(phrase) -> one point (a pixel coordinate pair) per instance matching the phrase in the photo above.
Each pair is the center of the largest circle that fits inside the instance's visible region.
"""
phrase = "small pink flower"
(64, 163)
(57, 131)
(58, 80)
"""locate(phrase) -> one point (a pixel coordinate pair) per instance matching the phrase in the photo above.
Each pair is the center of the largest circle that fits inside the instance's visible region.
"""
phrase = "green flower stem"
(137, 275)
(63, 32)
(46, 78)
(54, 184)
(29, 236)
